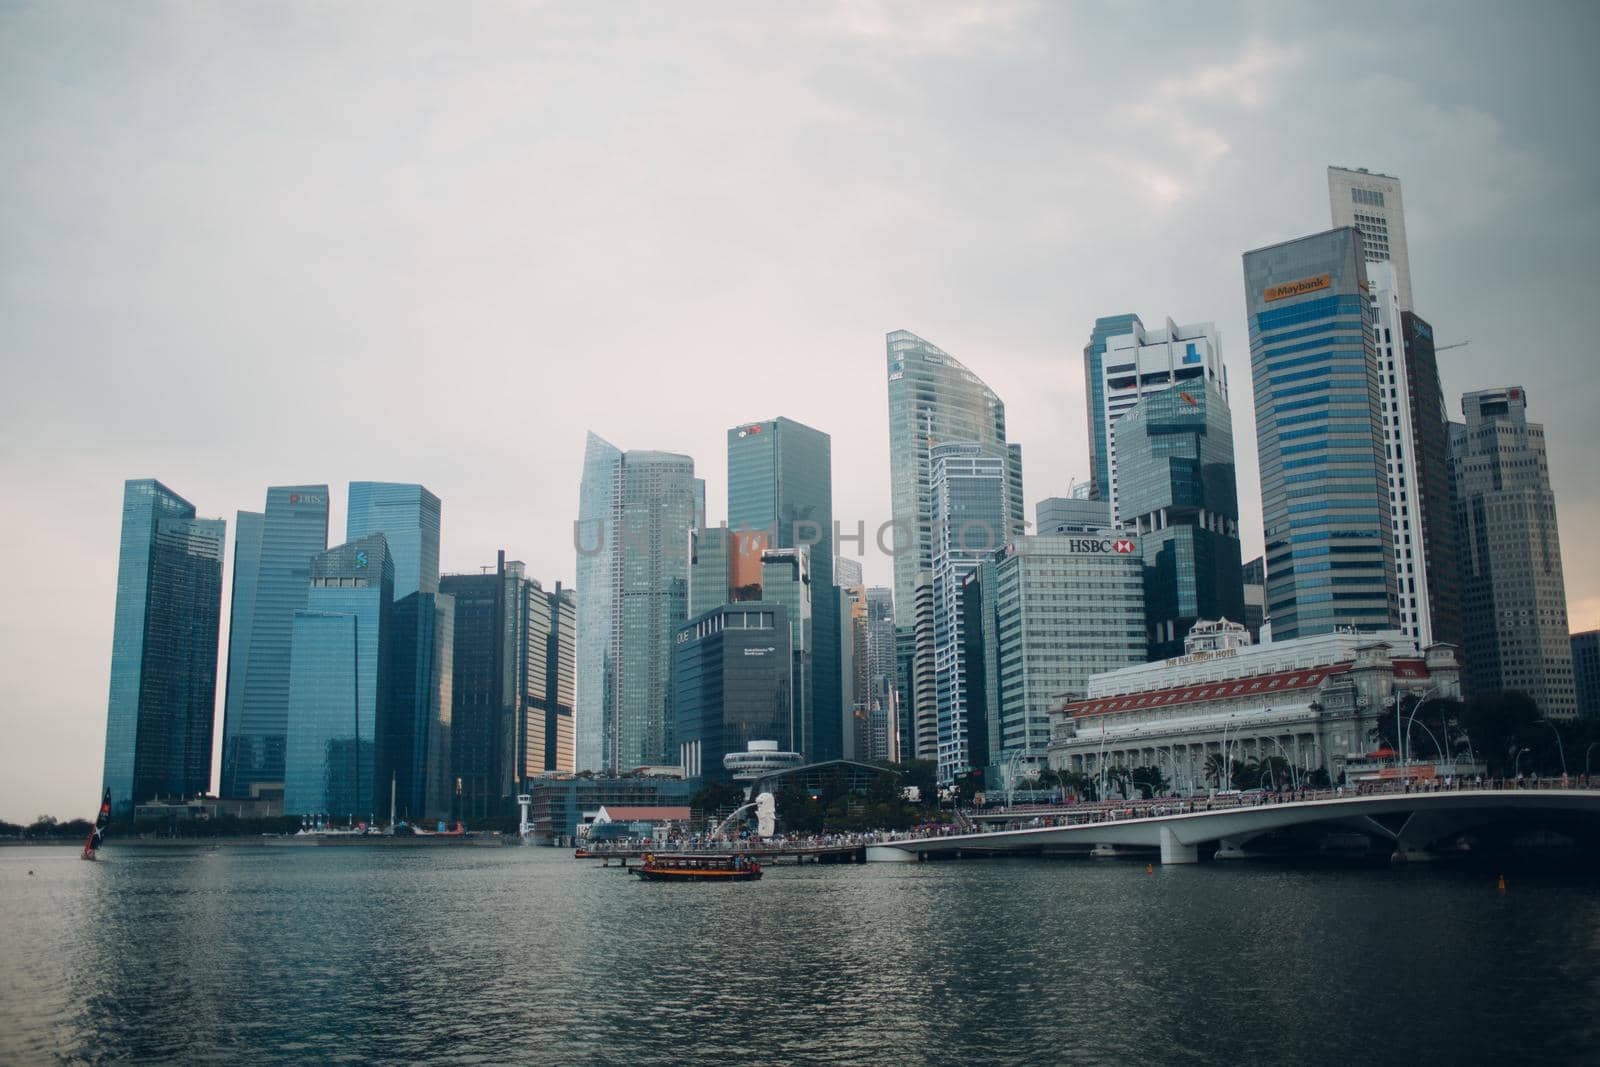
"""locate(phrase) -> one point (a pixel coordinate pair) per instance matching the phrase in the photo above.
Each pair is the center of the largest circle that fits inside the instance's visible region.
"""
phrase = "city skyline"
(1020, 324)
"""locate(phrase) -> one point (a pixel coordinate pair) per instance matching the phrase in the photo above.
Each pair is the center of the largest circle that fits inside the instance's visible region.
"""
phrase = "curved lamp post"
(1560, 748)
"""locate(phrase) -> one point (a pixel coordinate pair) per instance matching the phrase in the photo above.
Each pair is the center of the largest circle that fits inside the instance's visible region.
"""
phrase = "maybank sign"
(1304, 285)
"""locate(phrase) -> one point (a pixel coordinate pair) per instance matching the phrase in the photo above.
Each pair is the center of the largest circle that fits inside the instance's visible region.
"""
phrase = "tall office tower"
(1253, 575)
(855, 672)
(270, 584)
(163, 648)
(1141, 363)
(1371, 203)
(883, 675)
(905, 662)
(500, 693)
(340, 681)
(414, 749)
(1324, 479)
(1512, 592)
(1061, 514)
(710, 569)
(636, 512)
(413, 755)
(1094, 391)
(847, 573)
(408, 516)
(1586, 672)
(1435, 489)
(560, 749)
(1058, 609)
(932, 399)
(731, 678)
(922, 682)
(785, 579)
(1174, 478)
(980, 651)
(969, 496)
(780, 480)
(1400, 450)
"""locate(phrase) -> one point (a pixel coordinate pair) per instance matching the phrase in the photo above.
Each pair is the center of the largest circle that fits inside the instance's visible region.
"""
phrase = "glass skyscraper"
(1176, 489)
(408, 516)
(636, 512)
(731, 678)
(780, 480)
(339, 684)
(1094, 391)
(969, 525)
(163, 648)
(933, 398)
(1324, 479)
(269, 585)
(414, 741)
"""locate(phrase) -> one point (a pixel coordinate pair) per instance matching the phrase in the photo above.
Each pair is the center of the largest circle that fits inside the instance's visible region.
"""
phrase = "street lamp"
(1427, 695)
(1516, 767)
(1560, 748)
(1586, 756)
(1294, 775)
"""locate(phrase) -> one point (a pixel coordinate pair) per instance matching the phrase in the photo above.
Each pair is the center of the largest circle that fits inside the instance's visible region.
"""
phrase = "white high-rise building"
(1148, 361)
(1400, 447)
(1371, 203)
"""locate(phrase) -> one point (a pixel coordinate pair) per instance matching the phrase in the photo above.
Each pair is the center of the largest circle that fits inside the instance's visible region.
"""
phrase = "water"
(525, 955)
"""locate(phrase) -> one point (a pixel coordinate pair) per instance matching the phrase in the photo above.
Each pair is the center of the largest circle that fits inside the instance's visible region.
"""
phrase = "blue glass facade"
(1324, 476)
(340, 684)
(248, 531)
(408, 516)
(1176, 488)
(293, 528)
(780, 479)
(414, 743)
(162, 703)
(1094, 388)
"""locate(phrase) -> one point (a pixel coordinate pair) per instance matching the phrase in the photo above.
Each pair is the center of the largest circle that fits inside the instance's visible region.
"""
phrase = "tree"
(717, 798)
(1150, 781)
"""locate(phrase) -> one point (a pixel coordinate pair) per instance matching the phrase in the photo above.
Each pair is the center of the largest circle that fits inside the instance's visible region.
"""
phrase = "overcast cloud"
(244, 245)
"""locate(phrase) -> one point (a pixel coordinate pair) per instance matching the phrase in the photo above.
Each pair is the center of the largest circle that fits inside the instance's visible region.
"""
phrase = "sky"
(250, 244)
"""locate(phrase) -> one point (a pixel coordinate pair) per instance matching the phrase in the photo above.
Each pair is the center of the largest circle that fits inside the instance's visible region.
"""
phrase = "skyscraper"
(1324, 480)
(847, 572)
(408, 516)
(786, 580)
(560, 750)
(882, 674)
(413, 751)
(340, 679)
(921, 682)
(636, 511)
(1509, 554)
(780, 480)
(731, 678)
(414, 741)
(268, 588)
(1144, 362)
(1175, 488)
(970, 515)
(163, 648)
(933, 398)
(1094, 391)
(1371, 203)
(1432, 483)
(1053, 610)
(502, 699)
(1586, 672)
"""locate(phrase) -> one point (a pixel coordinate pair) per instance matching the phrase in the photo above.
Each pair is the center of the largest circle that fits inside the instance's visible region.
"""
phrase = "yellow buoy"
(1502, 885)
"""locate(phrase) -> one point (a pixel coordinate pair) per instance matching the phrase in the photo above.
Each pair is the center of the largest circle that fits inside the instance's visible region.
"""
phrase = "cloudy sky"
(251, 244)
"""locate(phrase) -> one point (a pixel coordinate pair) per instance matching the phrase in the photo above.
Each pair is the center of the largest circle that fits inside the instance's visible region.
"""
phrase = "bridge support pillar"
(1228, 849)
(1175, 851)
(890, 854)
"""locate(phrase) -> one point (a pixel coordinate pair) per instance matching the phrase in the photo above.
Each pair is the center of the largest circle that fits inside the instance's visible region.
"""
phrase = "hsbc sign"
(1121, 546)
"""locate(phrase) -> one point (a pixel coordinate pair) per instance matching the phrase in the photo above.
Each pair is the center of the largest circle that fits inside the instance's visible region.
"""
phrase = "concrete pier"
(890, 854)
(1175, 851)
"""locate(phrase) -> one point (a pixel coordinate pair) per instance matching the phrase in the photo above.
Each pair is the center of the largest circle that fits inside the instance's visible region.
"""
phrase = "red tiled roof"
(659, 814)
(1261, 684)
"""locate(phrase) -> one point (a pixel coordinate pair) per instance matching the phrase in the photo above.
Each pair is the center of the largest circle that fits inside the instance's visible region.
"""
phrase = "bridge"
(1414, 822)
